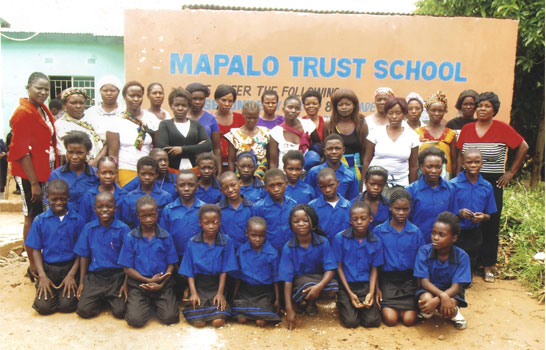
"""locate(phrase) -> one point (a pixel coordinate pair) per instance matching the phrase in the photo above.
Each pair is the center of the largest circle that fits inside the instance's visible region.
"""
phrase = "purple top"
(270, 124)
(209, 123)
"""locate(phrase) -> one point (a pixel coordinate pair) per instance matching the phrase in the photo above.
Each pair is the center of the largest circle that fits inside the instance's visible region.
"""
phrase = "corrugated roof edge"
(243, 8)
(14, 30)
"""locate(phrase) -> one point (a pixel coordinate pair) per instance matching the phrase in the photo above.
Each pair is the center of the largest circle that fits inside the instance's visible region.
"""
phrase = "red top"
(31, 135)
(238, 121)
(320, 127)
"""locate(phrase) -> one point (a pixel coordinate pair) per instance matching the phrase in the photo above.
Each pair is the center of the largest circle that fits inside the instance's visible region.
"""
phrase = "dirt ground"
(500, 316)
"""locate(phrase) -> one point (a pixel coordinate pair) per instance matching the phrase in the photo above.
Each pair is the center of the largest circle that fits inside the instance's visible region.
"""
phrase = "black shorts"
(31, 208)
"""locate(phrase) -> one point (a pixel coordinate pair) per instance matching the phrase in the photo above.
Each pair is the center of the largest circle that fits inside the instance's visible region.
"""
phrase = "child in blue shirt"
(107, 170)
(375, 180)
(296, 189)
(147, 169)
(431, 194)
(79, 175)
(332, 209)
(148, 257)
(307, 264)
(474, 202)
(251, 186)
(401, 239)
(208, 258)
(52, 237)
(443, 269)
(165, 181)
(98, 247)
(236, 209)
(333, 151)
(208, 189)
(275, 208)
(358, 253)
(257, 289)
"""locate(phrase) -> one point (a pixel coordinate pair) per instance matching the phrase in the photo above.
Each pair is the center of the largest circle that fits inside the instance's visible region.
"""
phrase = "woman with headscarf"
(75, 118)
(379, 118)
(434, 133)
(131, 135)
(109, 89)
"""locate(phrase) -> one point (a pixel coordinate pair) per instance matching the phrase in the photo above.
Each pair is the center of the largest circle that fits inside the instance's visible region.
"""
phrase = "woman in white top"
(156, 95)
(394, 146)
(293, 134)
(132, 133)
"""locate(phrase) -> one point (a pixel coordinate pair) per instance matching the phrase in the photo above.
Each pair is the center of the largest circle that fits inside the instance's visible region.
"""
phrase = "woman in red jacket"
(32, 151)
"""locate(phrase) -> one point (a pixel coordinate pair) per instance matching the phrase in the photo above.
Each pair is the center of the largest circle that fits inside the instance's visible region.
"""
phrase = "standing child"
(165, 181)
(236, 209)
(98, 247)
(401, 239)
(148, 257)
(443, 269)
(375, 181)
(208, 258)
(270, 118)
(251, 186)
(147, 169)
(474, 202)
(431, 194)
(208, 189)
(307, 264)
(296, 189)
(107, 171)
(358, 254)
(332, 208)
(79, 175)
(52, 237)
(257, 291)
(333, 151)
(275, 208)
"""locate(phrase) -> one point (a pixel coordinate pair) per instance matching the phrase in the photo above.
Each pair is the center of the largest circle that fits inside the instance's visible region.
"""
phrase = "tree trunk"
(538, 159)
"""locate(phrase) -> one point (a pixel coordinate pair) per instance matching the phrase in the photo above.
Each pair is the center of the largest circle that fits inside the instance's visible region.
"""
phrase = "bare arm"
(412, 164)
(232, 157)
(112, 142)
(453, 157)
(217, 150)
(273, 154)
(518, 160)
(370, 150)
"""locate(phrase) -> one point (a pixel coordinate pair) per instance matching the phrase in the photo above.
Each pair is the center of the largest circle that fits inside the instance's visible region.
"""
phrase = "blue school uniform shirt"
(77, 185)
(277, 218)
(357, 258)
(182, 222)
(383, 212)
(301, 192)
(55, 238)
(148, 257)
(233, 222)
(477, 197)
(102, 244)
(87, 203)
(348, 184)
(211, 195)
(255, 191)
(456, 269)
(332, 219)
(428, 202)
(167, 184)
(297, 261)
(257, 268)
(128, 205)
(201, 258)
(399, 248)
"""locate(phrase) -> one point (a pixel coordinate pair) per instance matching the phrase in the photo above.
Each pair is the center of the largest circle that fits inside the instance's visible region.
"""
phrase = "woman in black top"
(183, 139)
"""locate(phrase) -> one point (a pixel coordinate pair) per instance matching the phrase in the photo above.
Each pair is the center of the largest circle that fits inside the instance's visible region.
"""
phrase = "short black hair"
(209, 208)
(393, 101)
(79, 138)
(147, 161)
(155, 151)
(194, 87)
(399, 193)
(311, 93)
(55, 103)
(270, 93)
(332, 137)
(256, 220)
(250, 106)
(106, 159)
(360, 205)
(325, 172)
(431, 151)
(180, 92)
(130, 84)
(451, 220)
(271, 173)
(472, 150)
(36, 76)
(226, 175)
(149, 88)
(57, 185)
(463, 95)
(292, 97)
(223, 90)
(107, 195)
(492, 98)
(378, 171)
(205, 156)
(293, 154)
(187, 172)
(145, 200)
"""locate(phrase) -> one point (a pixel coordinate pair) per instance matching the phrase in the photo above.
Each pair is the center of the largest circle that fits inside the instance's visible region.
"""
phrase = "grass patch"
(522, 236)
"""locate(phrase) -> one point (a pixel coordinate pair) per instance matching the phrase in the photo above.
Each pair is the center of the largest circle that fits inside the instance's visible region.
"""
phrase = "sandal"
(311, 309)
(489, 277)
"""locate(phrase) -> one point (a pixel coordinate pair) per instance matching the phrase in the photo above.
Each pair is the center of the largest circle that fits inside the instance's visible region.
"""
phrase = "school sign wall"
(291, 52)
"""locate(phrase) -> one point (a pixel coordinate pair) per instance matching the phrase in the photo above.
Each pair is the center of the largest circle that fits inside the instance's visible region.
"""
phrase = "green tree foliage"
(528, 100)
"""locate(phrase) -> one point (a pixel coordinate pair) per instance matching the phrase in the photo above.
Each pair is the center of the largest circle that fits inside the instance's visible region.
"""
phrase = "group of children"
(245, 248)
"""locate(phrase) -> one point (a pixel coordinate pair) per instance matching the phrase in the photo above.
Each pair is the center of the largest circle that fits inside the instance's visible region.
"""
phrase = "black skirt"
(398, 289)
(255, 302)
(207, 288)
(305, 281)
